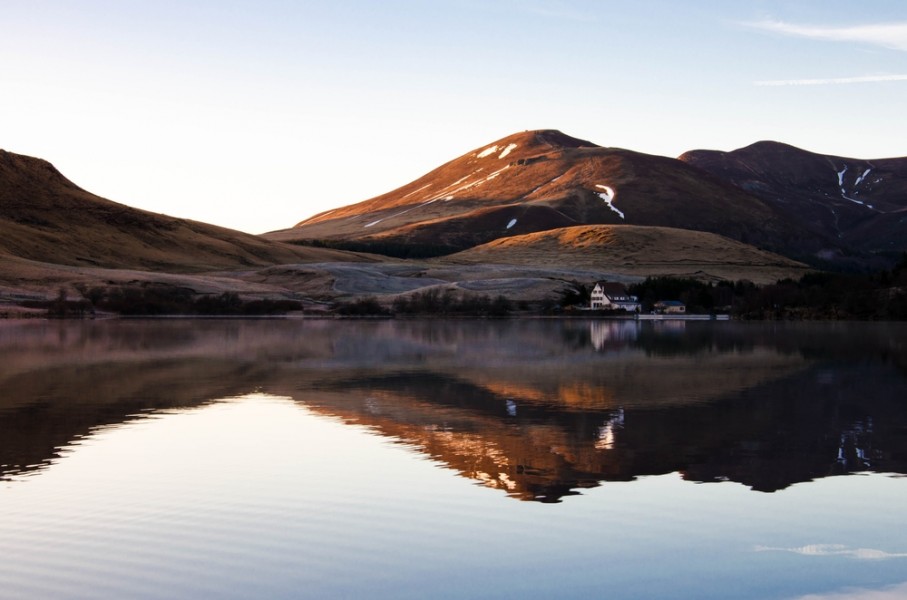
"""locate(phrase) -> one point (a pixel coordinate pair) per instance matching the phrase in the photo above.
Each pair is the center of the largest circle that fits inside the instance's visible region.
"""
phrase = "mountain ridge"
(861, 202)
(560, 181)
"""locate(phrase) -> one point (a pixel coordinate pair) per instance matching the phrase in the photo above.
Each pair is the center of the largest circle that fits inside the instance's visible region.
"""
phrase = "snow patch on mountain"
(402, 212)
(446, 193)
(496, 173)
(608, 196)
(841, 178)
(416, 191)
(844, 195)
(547, 183)
(507, 150)
(487, 151)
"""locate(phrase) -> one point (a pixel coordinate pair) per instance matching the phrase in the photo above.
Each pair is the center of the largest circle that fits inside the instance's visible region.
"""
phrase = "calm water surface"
(469, 459)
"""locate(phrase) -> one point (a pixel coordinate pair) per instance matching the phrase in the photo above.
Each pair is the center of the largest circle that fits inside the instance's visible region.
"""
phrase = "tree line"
(433, 302)
(873, 296)
(157, 299)
(868, 296)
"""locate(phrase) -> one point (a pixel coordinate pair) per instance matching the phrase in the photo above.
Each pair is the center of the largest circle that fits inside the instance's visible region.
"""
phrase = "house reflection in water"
(608, 334)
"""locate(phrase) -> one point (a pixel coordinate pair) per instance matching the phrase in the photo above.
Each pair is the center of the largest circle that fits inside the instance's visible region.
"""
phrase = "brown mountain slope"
(636, 250)
(861, 202)
(541, 180)
(45, 217)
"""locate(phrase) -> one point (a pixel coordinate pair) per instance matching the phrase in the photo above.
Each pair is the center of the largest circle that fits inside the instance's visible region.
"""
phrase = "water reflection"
(538, 409)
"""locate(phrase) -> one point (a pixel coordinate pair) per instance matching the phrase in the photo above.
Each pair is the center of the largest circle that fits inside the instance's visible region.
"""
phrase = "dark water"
(468, 459)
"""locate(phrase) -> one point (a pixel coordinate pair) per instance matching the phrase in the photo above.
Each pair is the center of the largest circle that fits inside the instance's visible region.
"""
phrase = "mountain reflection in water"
(539, 409)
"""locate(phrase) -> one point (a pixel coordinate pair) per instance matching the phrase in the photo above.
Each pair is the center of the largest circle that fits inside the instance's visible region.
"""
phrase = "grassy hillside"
(635, 250)
(45, 217)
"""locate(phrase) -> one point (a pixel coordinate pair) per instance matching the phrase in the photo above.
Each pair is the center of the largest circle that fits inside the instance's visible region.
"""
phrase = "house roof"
(613, 288)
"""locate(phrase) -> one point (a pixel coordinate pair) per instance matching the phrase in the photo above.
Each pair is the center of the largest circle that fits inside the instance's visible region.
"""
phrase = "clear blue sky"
(255, 115)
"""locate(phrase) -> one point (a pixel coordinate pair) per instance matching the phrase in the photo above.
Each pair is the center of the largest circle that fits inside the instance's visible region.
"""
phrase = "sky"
(255, 115)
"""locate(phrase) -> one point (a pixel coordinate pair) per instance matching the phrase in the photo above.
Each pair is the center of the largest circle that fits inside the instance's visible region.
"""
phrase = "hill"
(637, 250)
(862, 203)
(46, 218)
(543, 180)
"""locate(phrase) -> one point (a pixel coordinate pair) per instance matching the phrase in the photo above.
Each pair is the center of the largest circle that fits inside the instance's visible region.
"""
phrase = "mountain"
(544, 180)
(862, 203)
(45, 217)
(519, 217)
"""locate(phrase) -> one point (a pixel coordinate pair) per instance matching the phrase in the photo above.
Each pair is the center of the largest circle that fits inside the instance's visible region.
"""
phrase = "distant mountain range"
(805, 206)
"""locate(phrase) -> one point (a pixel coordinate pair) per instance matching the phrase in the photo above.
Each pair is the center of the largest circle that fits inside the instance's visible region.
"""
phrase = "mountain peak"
(533, 138)
(771, 147)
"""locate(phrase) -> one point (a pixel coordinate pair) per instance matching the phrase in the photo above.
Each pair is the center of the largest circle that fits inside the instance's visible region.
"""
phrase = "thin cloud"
(894, 592)
(887, 35)
(833, 81)
(836, 550)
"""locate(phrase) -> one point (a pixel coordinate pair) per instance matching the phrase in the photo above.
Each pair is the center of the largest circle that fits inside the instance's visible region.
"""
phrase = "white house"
(608, 295)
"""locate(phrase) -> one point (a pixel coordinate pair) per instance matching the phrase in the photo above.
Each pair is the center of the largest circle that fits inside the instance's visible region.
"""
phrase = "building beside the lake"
(609, 295)
(670, 307)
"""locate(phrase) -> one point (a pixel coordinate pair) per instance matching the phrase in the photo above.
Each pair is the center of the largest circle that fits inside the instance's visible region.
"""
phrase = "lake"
(452, 459)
